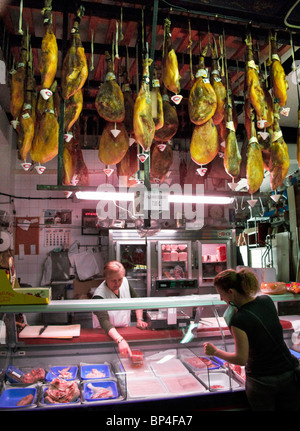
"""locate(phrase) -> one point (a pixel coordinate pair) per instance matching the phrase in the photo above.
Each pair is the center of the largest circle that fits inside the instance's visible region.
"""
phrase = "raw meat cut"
(25, 400)
(278, 78)
(204, 143)
(202, 103)
(113, 149)
(170, 126)
(100, 392)
(143, 124)
(74, 70)
(137, 358)
(95, 373)
(198, 362)
(61, 391)
(65, 373)
(170, 72)
(110, 99)
(49, 51)
(33, 376)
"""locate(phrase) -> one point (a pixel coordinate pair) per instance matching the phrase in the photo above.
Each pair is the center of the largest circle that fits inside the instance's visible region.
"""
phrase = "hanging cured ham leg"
(75, 169)
(279, 157)
(255, 164)
(157, 103)
(232, 156)
(278, 78)
(48, 59)
(298, 138)
(18, 78)
(113, 149)
(205, 143)
(255, 91)
(45, 142)
(74, 69)
(171, 123)
(202, 102)
(27, 119)
(160, 162)
(129, 165)
(73, 108)
(220, 89)
(110, 99)
(170, 72)
(143, 123)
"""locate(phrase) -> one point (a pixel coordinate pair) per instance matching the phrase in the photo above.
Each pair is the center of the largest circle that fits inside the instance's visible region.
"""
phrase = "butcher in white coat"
(116, 286)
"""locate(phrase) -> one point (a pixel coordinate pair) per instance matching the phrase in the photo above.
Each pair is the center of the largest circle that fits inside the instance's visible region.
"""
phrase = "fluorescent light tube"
(106, 196)
(223, 200)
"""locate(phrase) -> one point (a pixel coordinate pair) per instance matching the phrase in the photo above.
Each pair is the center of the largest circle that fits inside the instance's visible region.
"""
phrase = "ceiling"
(142, 22)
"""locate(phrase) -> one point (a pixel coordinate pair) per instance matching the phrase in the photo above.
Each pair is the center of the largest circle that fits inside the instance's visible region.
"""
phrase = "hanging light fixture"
(107, 196)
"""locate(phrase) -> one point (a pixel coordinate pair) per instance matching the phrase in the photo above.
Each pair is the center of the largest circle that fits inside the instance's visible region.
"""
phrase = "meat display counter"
(87, 371)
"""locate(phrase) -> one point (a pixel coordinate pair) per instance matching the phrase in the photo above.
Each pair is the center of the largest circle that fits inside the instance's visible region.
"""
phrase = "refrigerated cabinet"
(189, 258)
(171, 369)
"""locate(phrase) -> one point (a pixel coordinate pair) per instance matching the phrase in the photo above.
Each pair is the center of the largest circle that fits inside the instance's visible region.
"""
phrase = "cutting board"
(62, 331)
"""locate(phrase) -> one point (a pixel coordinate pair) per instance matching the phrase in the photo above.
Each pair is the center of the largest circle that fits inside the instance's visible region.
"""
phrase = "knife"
(43, 329)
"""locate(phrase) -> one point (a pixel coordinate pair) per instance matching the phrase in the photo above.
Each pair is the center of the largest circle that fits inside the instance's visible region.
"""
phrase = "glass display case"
(165, 365)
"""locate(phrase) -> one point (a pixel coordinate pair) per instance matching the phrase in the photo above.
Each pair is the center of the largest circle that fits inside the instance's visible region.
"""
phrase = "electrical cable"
(28, 197)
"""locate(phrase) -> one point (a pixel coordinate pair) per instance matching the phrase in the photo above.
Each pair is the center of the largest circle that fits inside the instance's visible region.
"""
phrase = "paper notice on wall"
(21, 251)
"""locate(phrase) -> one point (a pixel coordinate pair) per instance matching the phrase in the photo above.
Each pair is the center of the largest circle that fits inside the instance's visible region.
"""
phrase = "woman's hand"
(209, 349)
(141, 324)
(124, 349)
